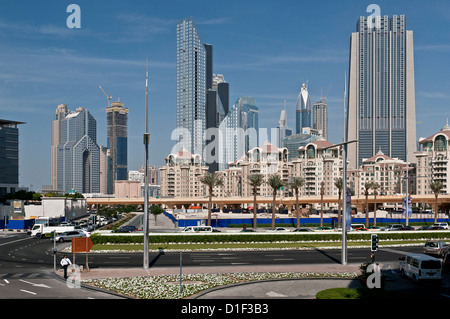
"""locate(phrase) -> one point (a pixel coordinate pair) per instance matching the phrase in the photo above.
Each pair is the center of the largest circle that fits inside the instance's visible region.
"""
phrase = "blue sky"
(264, 49)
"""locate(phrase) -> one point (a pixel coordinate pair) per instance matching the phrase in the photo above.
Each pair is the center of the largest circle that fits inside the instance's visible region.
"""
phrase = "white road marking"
(30, 292)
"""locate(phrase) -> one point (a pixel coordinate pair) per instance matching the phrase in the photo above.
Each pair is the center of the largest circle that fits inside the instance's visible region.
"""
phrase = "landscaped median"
(168, 286)
(212, 241)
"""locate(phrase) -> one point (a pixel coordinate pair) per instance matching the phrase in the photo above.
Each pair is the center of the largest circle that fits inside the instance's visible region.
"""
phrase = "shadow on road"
(323, 252)
(161, 252)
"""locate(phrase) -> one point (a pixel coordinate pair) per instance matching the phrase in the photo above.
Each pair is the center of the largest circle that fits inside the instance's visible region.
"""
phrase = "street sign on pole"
(82, 245)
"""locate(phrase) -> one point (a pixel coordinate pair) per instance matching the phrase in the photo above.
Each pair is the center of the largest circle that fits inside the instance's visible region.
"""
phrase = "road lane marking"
(30, 292)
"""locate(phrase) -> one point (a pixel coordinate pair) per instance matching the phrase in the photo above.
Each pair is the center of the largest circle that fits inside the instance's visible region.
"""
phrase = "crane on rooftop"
(108, 97)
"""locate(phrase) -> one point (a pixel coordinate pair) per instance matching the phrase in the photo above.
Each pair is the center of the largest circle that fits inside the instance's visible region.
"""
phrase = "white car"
(67, 236)
(443, 225)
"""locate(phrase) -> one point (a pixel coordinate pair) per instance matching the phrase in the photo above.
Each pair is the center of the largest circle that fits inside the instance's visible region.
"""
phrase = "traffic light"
(374, 242)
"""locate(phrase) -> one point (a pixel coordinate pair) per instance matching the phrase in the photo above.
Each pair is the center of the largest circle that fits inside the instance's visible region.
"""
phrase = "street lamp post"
(146, 142)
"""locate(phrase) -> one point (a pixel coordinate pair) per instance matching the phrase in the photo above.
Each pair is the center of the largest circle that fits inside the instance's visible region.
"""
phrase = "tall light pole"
(146, 142)
(345, 191)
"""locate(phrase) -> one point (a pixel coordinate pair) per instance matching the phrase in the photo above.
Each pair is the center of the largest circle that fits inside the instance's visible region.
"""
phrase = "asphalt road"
(26, 266)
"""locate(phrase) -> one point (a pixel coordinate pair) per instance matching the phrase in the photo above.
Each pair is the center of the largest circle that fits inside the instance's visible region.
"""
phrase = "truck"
(42, 230)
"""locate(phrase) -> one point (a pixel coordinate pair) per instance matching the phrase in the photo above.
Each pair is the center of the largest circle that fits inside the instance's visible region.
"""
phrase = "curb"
(85, 286)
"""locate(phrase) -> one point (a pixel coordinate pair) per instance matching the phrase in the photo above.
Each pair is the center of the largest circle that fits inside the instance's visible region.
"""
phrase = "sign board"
(82, 244)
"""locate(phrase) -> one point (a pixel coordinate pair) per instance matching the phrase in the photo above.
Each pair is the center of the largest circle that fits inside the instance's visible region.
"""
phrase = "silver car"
(68, 235)
(435, 247)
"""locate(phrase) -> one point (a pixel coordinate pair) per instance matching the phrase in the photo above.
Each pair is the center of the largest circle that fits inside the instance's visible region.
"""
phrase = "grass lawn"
(219, 246)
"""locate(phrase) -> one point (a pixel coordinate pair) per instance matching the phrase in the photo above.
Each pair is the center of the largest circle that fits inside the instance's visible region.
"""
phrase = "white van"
(198, 229)
(421, 267)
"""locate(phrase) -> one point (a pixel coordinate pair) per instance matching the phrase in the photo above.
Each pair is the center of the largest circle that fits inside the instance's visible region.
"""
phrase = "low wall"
(304, 222)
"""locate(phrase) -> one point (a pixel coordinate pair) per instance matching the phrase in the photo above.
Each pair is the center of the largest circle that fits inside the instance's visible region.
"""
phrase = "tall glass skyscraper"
(117, 140)
(192, 84)
(381, 97)
(9, 156)
(303, 111)
(238, 132)
(78, 155)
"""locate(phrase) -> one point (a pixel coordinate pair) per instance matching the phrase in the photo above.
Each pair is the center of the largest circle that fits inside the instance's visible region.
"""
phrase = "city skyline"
(45, 64)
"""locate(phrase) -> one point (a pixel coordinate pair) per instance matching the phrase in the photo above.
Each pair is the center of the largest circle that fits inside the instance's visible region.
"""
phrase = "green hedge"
(237, 238)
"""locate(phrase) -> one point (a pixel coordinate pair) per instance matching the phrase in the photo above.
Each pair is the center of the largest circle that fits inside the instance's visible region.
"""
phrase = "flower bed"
(168, 286)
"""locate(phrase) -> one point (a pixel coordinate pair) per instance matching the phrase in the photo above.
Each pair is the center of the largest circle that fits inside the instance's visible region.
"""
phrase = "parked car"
(441, 225)
(435, 247)
(393, 227)
(424, 228)
(125, 229)
(303, 230)
(280, 229)
(198, 229)
(248, 230)
(407, 228)
(67, 236)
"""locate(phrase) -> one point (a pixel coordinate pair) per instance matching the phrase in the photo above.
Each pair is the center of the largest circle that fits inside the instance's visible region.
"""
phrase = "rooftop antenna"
(108, 97)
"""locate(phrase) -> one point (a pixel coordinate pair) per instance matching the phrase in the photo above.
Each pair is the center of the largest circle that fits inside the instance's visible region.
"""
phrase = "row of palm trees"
(212, 180)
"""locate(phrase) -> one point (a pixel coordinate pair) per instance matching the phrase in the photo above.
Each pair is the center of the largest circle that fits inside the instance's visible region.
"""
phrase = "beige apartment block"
(180, 177)
(433, 161)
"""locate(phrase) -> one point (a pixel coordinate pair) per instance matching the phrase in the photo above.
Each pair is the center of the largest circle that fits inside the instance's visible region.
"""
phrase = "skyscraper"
(381, 97)
(60, 114)
(217, 106)
(320, 117)
(192, 81)
(78, 155)
(238, 132)
(303, 112)
(117, 139)
(9, 157)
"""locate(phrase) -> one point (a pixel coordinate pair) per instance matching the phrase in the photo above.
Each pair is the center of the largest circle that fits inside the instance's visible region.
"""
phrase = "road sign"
(82, 244)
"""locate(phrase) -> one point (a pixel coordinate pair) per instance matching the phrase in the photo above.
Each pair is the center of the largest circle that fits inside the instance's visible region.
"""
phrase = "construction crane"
(108, 97)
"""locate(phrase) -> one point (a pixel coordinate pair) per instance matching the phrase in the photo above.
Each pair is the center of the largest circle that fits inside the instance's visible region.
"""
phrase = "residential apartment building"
(433, 162)
(319, 163)
(180, 177)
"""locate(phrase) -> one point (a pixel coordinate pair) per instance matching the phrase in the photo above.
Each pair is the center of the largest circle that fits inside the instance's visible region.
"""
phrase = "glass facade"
(78, 155)
(379, 88)
(303, 111)
(191, 87)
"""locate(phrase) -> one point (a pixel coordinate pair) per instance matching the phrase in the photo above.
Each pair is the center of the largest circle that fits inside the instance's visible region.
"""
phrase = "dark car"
(125, 229)
(303, 229)
(407, 228)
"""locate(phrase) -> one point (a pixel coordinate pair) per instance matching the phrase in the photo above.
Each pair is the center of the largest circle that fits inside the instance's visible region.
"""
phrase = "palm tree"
(436, 187)
(275, 182)
(255, 181)
(295, 184)
(367, 187)
(211, 180)
(339, 183)
(375, 187)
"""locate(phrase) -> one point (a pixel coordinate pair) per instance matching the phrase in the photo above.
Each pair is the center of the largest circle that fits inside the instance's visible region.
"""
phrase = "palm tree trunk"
(254, 210)
(436, 209)
(375, 209)
(273, 209)
(297, 213)
(339, 210)
(367, 210)
(209, 206)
